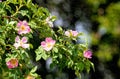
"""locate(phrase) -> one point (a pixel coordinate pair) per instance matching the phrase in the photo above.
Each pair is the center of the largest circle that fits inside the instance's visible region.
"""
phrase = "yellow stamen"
(22, 27)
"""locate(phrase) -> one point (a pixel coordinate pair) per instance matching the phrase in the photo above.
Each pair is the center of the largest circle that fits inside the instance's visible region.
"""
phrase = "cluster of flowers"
(71, 33)
(47, 45)
(22, 28)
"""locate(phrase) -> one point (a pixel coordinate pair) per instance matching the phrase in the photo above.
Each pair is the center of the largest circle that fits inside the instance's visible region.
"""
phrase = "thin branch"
(10, 17)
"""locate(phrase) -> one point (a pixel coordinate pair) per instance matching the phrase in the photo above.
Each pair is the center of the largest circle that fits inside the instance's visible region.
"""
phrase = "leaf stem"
(17, 10)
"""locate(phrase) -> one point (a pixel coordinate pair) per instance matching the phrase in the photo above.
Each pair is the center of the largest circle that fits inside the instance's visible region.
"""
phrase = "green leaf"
(23, 12)
(53, 18)
(38, 57)
(34, 74)
(33, 69)
(8, 8)
(70, 52)
(87, 65)
(83, 46)
(78, 74)
(40, 53)
(81, 66)
(70, 63)
(60, 30)
(13, 1)
(12, 22)
(33, 24)
(60, 56)
(2, 42)
(92, 66)
(44, 55)
(55, 49)
(54, 56)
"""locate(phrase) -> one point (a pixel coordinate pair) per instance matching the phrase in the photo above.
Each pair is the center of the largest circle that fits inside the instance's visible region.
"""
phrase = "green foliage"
(106, 36)
(65, 53)
(111, 18)
(40, 53)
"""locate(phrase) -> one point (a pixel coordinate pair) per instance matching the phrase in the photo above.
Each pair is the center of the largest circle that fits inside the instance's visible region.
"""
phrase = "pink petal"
(48, 39)
(25, 23)
(53, 42)
(19, 32)
(19, 23)
(22, 32)
(48, 49)
(43, 44)
(88, 54)
(28, 29)
(25, 45)
(67, 33)
(9, 65)
(16, 45)
(24, 40)
(75, 33)
(17, 39)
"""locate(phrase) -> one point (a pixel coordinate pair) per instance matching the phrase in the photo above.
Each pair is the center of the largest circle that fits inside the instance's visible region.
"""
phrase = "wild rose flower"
(50, 23)
(21, 43)
(23, 27)
(87, 54)
(48, 44)
(12, 63)
(71, 33)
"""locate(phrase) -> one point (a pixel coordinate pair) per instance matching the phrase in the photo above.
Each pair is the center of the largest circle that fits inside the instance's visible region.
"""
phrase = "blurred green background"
(99, 20)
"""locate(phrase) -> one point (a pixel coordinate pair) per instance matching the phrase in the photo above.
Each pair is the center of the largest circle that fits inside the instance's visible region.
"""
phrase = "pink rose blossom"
(74, 33)
(23, 27)
(48, 44)
(21, 43)
(87, 54)
(12, 63)
(71, 33)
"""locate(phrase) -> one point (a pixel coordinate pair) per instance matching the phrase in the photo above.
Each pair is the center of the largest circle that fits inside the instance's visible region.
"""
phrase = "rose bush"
(23, 28)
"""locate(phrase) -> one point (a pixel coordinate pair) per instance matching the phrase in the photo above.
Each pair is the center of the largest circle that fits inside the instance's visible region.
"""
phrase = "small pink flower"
(23, 27)
(12, 63)
(50, 23)
(74, 33)
(87, 54)
(48, 44)
(71, 33)
(21, 43)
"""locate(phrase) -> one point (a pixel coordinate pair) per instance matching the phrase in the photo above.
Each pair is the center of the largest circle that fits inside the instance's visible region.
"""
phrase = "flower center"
(13, 61)
(22, 27)
(21, 43)
(49, 45)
